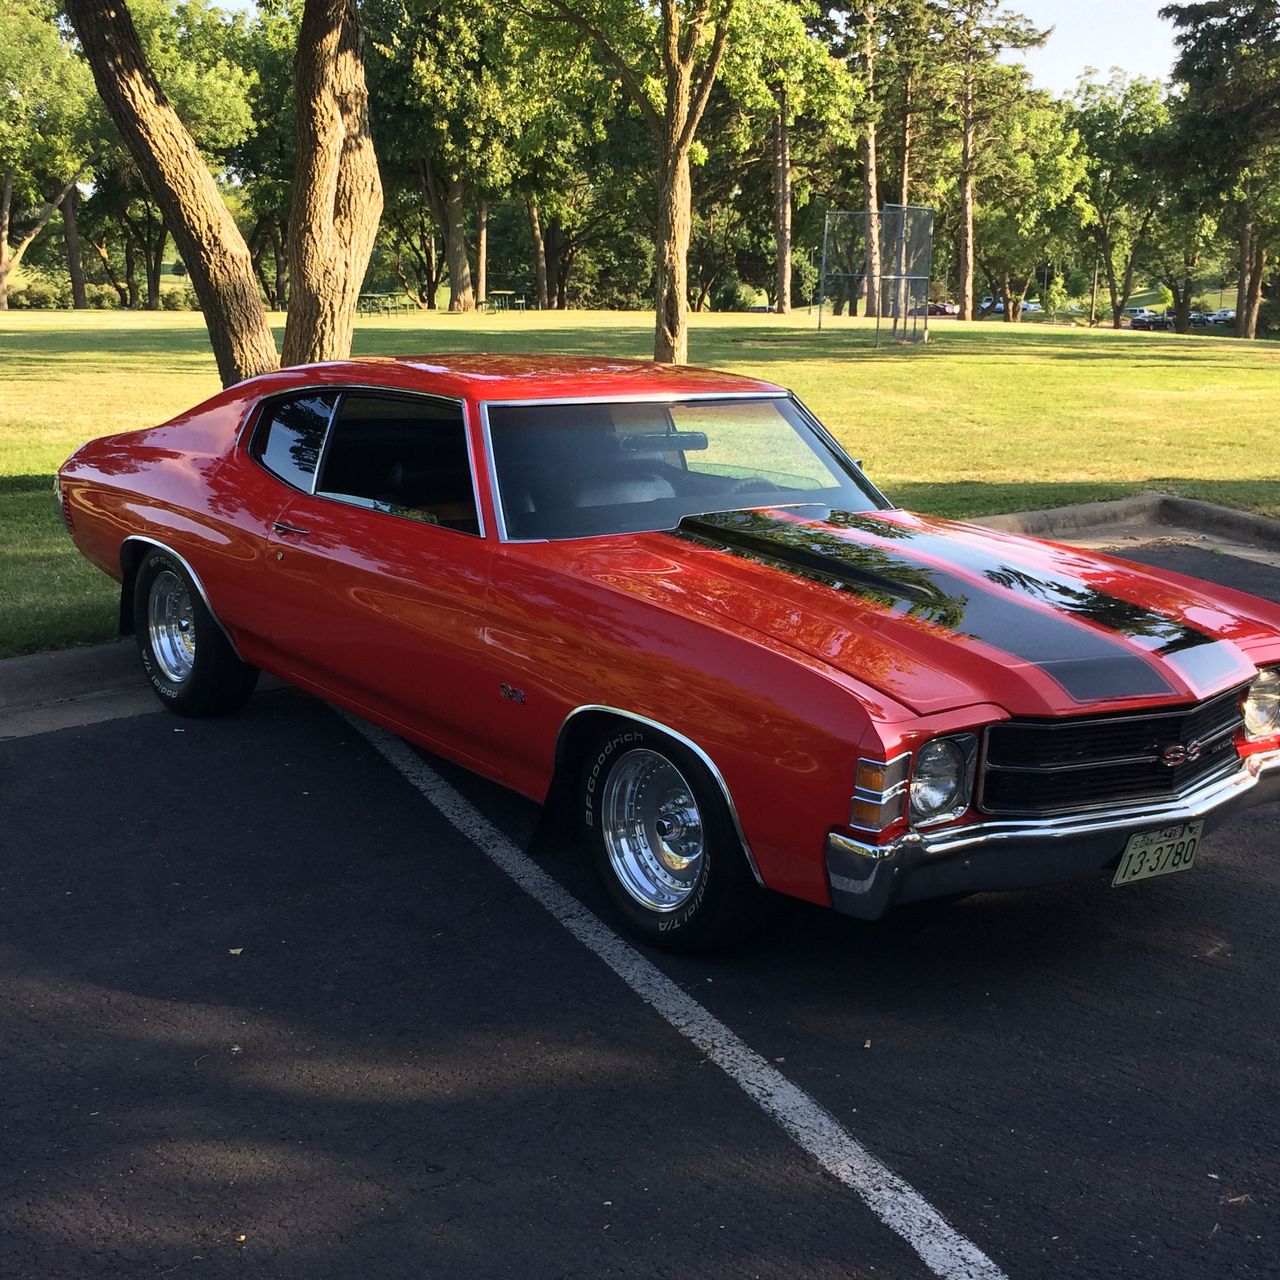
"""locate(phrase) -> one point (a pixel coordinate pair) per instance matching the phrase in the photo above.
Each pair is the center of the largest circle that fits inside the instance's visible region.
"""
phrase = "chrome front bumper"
(866, 880)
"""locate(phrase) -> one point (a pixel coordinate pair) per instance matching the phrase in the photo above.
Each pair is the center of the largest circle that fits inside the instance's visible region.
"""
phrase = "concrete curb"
(1156, 508)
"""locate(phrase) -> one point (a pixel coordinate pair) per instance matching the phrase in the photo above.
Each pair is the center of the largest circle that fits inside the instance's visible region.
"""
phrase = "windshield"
(575, 470)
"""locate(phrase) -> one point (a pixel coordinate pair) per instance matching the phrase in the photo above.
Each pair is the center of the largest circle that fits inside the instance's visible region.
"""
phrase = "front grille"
(1035, 768)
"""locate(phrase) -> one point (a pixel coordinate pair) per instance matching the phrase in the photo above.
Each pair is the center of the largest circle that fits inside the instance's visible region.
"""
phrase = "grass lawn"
(988, 417)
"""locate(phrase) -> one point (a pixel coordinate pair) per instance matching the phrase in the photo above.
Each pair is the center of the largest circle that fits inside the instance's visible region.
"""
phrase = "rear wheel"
(189, 662)
(664, 843)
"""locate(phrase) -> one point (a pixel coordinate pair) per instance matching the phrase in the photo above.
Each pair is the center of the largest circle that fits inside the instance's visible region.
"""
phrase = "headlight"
(942, 779)
(1262, 706)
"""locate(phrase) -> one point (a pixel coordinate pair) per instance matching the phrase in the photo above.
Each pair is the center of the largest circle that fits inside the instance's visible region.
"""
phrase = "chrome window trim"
(684, 741)
(254, 415)
(664, 397)
(840, 451)
(147, 540)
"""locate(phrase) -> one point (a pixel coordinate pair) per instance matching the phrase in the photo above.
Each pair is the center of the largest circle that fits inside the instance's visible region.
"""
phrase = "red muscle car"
(666, 604)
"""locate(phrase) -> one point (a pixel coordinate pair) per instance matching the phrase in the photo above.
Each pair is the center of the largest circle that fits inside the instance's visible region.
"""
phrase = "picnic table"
(382, 304)
(504, 300)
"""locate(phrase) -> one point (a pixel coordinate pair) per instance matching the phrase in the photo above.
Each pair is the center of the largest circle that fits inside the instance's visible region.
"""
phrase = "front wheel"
(664, 844)
(189, 662)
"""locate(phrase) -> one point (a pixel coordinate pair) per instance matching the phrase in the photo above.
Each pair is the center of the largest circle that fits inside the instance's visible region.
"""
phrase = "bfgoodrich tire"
(187, 659)
(664, 844)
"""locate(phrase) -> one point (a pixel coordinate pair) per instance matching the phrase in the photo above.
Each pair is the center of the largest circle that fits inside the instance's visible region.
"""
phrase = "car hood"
(938, 615)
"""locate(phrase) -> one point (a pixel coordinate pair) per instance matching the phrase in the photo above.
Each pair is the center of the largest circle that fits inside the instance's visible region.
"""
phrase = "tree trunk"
(965, 247)
(434, 268)
(553, 241)
(282, 269)
(337, 194)
(1257, 271)
(1093, 296)
(71, 239)
(871, 179)
(539, 255)
(257, 255)
(782, 203)
(482, 253)
(6, 203)
(131, 273)
(154, 260)
(562, 285)
(675, 225)
(113, 277)
(1182, 304)
(175, 173)
(461, 293)
(1245, 242)
(908, 134)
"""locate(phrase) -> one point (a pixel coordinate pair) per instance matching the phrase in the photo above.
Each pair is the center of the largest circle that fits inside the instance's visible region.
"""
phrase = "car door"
(376, 580)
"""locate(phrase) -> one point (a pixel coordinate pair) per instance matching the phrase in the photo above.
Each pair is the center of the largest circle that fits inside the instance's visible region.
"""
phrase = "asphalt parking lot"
(267, 1012)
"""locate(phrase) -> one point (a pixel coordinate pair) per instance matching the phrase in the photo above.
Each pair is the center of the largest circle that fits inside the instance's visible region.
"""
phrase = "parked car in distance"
(1032, 307)
(1200, 319)
(664, 603)
(1153, 320)
(1224, 315)
(936, 309)
(1137, 313)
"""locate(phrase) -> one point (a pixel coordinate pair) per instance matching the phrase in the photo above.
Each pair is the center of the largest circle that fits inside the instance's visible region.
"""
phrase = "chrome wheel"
(652, 829)
(171, 626)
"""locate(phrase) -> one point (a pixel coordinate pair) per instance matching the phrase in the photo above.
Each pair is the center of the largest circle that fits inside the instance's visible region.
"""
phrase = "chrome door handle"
(283, 526)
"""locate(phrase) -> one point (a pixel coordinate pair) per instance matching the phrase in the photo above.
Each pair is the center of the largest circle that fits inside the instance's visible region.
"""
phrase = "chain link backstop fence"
(881, 264)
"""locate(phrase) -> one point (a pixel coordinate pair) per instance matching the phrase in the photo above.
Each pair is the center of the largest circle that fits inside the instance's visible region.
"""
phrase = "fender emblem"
(1177, 754)
(511, 694)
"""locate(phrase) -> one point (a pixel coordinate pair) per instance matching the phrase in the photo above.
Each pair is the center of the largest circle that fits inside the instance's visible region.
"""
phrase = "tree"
(455, 83)
(175, 173)
(972, 96)
(1029, 207)
(337, 192)
(1229, 60)
(1124, 126)
(780, 75)
(337, 195)
(45, 126)
(667, 59)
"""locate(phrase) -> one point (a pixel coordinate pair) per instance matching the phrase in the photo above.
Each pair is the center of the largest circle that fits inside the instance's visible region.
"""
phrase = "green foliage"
(47, 109)
(193, 49)
(1028, 208)
(101, 297)
(180, 299)
(40, 295)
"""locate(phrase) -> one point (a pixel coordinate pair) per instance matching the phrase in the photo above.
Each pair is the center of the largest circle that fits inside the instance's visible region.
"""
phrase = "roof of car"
(535, 377)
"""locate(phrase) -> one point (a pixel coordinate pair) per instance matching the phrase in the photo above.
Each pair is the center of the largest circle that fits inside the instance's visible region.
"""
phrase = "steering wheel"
(753, 484)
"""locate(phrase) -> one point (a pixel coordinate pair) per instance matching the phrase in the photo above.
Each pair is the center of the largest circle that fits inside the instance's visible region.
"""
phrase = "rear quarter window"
(290, 435)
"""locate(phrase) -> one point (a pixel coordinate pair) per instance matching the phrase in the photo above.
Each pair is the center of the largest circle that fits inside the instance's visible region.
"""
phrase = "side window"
(288, 439)
(405, 455)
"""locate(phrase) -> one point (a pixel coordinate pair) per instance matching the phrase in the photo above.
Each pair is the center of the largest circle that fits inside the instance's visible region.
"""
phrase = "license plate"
(1159, 853)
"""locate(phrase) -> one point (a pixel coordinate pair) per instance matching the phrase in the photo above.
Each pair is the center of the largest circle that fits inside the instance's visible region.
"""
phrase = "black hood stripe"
(1202, 659)
(1087, 662)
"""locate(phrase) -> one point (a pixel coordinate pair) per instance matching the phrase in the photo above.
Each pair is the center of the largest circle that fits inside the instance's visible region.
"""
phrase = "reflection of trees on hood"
(873, 525)
(822, 555)
(1083, 601)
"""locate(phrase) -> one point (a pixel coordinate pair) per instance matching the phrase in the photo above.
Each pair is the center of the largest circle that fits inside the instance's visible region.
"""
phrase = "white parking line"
(895, 1202)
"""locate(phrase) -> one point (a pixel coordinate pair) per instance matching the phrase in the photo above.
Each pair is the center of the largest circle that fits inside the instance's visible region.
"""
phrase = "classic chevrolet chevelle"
(666, 603)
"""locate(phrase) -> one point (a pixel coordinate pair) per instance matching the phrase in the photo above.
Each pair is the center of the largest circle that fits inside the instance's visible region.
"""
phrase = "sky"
(1096, 33)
